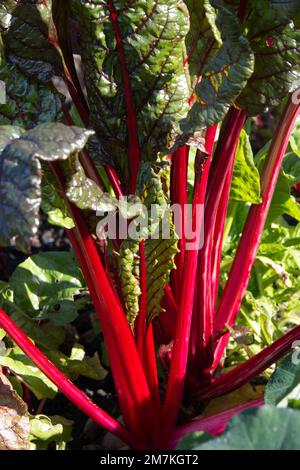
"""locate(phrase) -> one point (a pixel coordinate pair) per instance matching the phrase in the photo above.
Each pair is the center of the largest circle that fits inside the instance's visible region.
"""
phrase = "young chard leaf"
(245, 184)
(159, 251)
(20, 175)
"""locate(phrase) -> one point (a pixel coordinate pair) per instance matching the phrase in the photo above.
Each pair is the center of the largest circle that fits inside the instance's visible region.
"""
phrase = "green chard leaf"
(44, 287)
(275, 41)
(246, 180)
(45, 430)
(16, 361)
(20, 175)
(265, 428)
(153, 35)
(52, 203)
(224, 76)
(283, 202)
(203, 38)
(159, 251)
(78, 364)
(26, 29)
(289, 7)
(284, 384)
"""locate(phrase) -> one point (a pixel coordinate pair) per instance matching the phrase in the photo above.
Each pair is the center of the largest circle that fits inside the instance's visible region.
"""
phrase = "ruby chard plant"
(162, 117)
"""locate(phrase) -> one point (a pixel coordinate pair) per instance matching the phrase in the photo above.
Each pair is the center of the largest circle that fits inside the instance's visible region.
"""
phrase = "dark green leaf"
(27, 31)
(203, 38)
(265, 428)
(285, 381)
(20, 176)
(275, 43)
(44, 287)
(153, 36)
(224, 77)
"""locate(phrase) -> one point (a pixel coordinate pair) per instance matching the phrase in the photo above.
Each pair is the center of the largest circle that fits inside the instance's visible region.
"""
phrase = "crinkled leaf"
(20, 176)
(203, 38)
(86, 194)
(129, 277)
(44, 287)
(224, 77)
(27, 30)
(36, 381)
(246, 180)
(265, 428)
(275, 43)
(27, 102)
(285, 381)
(160, 256)
(153, 36)
(160, 251)
(289, 7)
(45, 430)
(14, 420)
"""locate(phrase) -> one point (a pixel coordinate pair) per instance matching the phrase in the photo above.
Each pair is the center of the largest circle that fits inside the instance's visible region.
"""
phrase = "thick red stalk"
(218, 195)
(114, 181)
(134, 154)
(76, 396)
(126, 366)
(145, 339)
(177, 374)
(242, 10)
(247, 248)
(209, 146)
(219, 230)
(179, 195)
(142, 316)
(215, 424)
(249, 369)
(151, 367)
